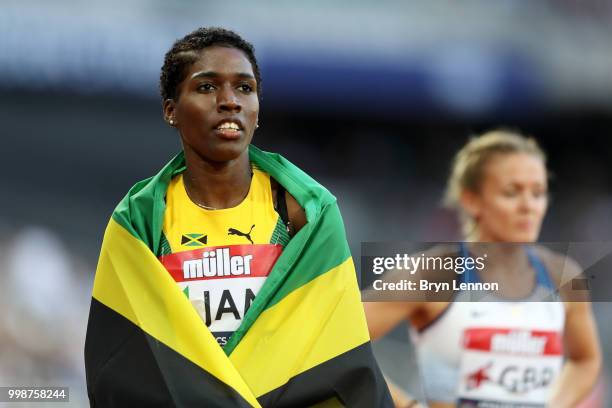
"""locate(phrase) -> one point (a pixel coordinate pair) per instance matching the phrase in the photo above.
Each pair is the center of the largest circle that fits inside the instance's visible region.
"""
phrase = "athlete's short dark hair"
(184, 52)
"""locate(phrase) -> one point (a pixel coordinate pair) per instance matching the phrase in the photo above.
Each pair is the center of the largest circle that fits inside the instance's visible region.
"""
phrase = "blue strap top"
(542, 276)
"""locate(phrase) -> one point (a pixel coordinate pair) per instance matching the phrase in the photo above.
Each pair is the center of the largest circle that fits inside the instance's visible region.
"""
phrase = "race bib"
(508, 368)
(222, 282)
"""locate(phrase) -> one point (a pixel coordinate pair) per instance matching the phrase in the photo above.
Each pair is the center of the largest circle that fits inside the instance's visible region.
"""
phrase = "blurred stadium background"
(370, 98)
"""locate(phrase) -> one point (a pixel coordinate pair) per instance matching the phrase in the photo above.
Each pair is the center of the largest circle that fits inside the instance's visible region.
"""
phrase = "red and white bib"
(509, 368)
(222, 282)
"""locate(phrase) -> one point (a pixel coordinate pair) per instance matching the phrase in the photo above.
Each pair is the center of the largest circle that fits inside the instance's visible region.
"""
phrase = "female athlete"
(515, 349)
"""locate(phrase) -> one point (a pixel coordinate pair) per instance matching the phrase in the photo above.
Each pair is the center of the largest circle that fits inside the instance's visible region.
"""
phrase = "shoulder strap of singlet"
(470, 275)
(281, 204)
(542, 276)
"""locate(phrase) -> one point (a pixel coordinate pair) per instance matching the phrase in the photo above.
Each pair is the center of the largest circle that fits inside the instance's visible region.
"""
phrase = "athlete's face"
(512, 200)
(216, 107)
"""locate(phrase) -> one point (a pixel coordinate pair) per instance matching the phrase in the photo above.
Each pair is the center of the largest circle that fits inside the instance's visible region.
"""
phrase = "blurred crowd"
(44, 298)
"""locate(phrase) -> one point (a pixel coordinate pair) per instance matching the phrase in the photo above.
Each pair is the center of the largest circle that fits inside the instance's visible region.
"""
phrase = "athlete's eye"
(246, 88)
(206, 87)
(540, 193)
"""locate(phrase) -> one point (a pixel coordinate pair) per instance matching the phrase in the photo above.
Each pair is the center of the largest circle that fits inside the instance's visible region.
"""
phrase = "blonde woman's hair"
(467, 172)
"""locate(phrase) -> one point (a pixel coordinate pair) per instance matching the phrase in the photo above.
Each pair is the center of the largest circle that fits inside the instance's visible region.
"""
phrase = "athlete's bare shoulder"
(297, 216)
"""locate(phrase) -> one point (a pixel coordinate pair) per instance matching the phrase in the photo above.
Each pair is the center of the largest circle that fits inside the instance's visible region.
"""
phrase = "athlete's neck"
(217, 184)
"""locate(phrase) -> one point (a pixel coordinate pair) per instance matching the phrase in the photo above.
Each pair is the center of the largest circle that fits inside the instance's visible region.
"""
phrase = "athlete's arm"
(419, 311)
(581, 343)
(384, 316)
(580, 372)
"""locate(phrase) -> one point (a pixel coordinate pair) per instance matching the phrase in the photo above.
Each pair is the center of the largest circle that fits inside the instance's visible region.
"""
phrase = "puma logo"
(234, 231)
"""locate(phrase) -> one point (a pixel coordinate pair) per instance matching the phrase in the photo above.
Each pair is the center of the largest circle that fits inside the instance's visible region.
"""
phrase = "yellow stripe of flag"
(326, 319)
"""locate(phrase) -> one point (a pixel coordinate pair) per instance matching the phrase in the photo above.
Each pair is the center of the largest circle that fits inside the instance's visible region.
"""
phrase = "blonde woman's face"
(512, 200)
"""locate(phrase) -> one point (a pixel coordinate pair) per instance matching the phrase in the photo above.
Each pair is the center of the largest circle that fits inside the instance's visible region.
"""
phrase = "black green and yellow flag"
(303, 341)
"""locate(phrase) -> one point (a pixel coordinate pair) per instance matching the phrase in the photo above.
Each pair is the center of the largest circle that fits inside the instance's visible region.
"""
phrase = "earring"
(257, 126)
(171, 122)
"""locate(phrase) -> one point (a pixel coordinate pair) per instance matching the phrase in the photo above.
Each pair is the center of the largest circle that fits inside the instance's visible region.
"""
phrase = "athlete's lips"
(229, 129)
(525, 225)
(235, 121)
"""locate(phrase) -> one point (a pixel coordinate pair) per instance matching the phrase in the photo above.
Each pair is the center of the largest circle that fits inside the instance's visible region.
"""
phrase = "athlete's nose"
(527, 202)
(227, 100)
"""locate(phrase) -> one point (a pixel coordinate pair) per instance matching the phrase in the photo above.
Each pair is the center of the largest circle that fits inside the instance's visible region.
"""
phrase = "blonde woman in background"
(498, 184)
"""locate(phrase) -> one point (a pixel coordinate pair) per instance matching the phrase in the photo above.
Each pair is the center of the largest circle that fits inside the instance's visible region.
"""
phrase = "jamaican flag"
(303, 342)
